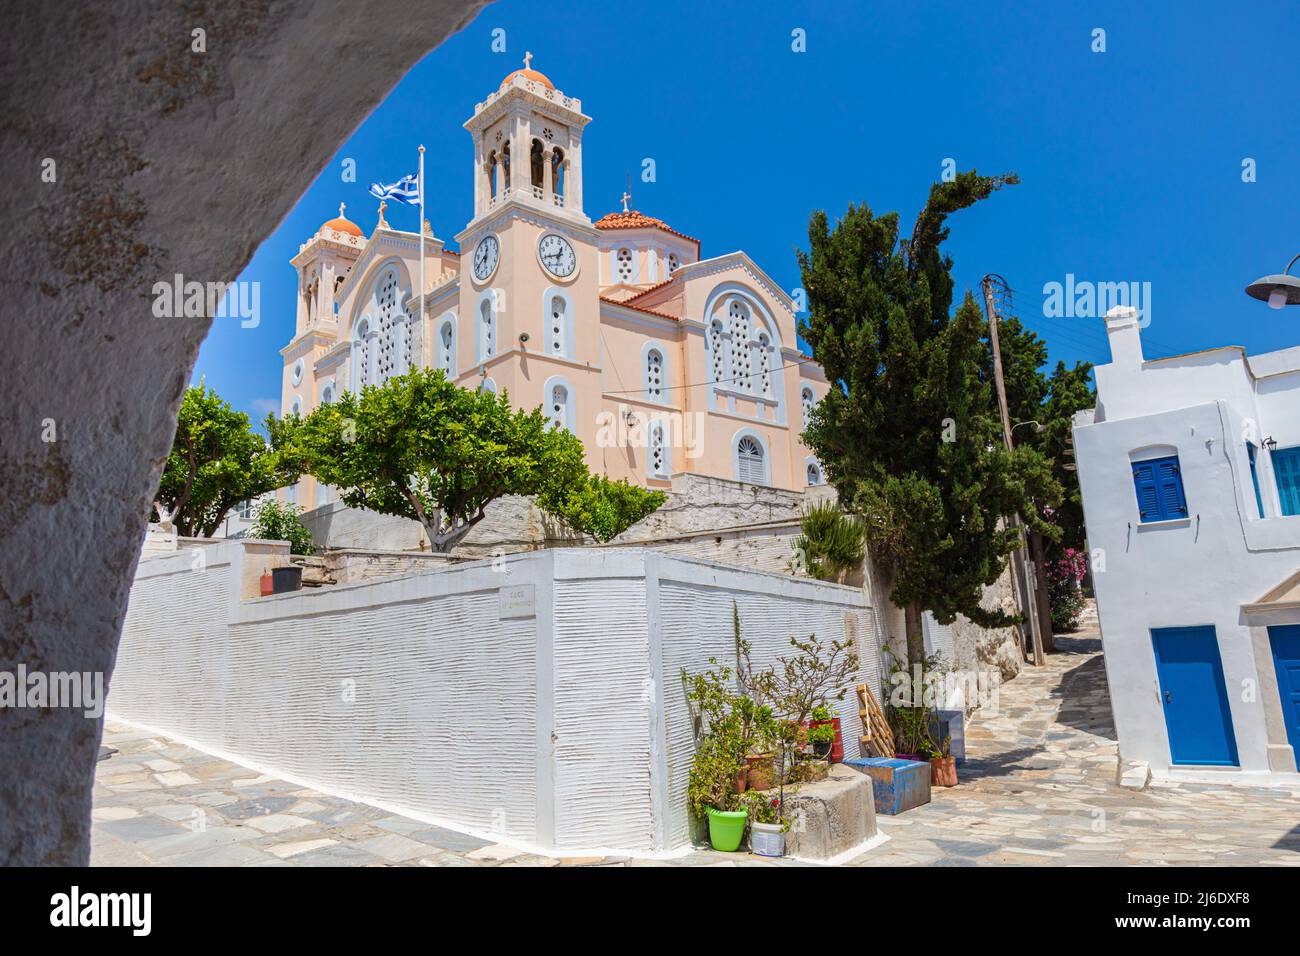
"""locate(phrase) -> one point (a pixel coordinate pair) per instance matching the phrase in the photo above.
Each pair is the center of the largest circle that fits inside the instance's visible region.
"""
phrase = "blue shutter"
(1286, 466)
(1148, 495)
(1159, 486)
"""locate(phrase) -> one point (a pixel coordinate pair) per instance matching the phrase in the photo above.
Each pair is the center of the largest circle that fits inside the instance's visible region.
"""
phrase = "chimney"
(1125, 337)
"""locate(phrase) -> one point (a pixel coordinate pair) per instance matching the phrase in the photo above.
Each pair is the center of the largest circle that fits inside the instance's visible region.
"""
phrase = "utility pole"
(1020, 564)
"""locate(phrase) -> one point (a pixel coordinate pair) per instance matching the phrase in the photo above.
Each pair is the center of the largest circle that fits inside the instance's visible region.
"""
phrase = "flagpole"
(420, 322)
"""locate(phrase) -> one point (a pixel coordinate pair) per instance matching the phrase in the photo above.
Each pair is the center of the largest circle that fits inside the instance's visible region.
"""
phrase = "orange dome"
(528, 73)
(343, 224)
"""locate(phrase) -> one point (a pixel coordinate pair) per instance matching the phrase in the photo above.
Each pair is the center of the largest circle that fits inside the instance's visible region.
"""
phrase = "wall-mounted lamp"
(1037, 427)
(523, 338)
(1271, 444)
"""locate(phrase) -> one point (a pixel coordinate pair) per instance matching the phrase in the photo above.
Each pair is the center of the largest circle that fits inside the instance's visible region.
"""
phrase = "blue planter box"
(896, 785)
(950, 723)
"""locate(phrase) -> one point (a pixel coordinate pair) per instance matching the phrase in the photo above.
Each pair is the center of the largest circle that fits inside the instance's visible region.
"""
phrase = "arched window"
(814, 474)
(536, 165)
(807, 399)
(624, 259)
(505, 164)
(487, 327)
(559, 404)
(557, 175)
(654, 374)
(446, 345)
(492, 174)
(557, 331)
(327, 393)
(658, 454)
(751, 466)
(295, 405)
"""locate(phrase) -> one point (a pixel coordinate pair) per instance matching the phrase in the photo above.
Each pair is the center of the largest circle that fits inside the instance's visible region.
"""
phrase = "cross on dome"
(627, 198)
(528, 59)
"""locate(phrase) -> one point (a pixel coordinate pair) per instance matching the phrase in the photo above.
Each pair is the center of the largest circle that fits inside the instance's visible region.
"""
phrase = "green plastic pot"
(727, 829)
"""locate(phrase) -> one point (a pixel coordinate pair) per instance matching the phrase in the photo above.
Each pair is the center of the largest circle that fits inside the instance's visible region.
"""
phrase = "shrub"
(1063, 589)
(277, 522)
(831, 543)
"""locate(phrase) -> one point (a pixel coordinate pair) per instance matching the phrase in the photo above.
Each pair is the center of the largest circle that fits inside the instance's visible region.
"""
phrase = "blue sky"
(1130, 160)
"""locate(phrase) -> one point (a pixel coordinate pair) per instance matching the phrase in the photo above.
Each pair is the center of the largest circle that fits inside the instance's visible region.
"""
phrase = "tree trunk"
(1039, 554)
(915, 637)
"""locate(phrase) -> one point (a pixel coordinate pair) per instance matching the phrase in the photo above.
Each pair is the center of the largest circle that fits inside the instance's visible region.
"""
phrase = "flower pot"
(741, 783)
(767, 839)
(836, 749)
(727, 828)
(943, 771)
(266, 583)
(759, 772)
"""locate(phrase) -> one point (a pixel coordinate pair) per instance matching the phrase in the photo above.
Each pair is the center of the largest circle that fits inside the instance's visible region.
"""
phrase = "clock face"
(486, 255)
(557, 256)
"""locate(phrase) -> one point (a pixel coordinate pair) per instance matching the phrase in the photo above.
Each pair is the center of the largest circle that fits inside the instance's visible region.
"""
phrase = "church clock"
(557, 256)
(486, 256)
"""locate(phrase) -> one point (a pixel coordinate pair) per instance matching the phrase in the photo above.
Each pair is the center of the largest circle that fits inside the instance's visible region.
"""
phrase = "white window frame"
(654, 345)
(814, 464)
(448, 320)
(763, 446)
(666, 470)
(566, 332)
(569, 401)
(480, 352)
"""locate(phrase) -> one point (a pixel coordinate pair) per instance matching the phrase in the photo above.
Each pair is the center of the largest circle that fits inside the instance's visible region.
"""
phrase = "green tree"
(216, 461)
(906, 433)
(421, 447)
(276, 522)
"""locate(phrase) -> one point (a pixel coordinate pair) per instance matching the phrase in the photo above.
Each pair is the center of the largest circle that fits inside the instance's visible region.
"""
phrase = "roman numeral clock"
(486, 256)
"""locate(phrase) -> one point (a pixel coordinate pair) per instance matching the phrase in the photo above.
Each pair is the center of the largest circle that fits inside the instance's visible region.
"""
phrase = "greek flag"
(405, 190)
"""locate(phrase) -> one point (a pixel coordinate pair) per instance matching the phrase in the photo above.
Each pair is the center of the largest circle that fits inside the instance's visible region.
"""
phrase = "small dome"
(528, 73)
(343, 224)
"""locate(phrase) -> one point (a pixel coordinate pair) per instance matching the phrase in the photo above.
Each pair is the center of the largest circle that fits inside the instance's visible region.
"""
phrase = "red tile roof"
(637, 220)
(641, 308)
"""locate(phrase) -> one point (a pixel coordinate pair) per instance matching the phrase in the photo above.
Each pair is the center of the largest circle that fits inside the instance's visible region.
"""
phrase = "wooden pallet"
(877, 739)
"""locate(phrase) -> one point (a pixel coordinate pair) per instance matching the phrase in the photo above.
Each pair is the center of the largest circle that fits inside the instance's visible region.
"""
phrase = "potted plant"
(712, 792)
(943, 765)
(767, 824)
(824, 734)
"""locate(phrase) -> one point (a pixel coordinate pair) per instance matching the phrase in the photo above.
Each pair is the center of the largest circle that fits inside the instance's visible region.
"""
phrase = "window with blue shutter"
(1286, 466)
(1254, 477)
(1159, 486)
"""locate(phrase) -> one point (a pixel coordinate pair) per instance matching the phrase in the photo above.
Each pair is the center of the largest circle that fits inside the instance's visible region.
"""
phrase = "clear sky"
(1130, 159)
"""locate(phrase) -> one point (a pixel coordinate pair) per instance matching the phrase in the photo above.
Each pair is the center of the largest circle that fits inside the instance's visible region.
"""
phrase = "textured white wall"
(565, 729)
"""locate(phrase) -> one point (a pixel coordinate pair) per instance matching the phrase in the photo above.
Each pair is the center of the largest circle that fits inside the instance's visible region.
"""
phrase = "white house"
(1190, 473)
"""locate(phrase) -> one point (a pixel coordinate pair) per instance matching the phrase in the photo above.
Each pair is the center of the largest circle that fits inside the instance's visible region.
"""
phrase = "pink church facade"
(661, 362)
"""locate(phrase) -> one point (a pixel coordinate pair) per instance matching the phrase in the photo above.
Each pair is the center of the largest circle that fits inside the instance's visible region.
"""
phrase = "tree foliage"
(830, 543)
(276, 522)
(421, 447)
(216, 461)
(907, 434)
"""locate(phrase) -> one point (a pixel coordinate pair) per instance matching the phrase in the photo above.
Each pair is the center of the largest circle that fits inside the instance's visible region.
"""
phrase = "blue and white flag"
(405, 190)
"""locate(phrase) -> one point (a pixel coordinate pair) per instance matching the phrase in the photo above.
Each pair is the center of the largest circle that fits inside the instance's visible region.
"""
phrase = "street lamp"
(1277, 290)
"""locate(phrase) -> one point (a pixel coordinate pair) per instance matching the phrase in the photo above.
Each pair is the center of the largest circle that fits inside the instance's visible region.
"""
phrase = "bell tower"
(528, 147)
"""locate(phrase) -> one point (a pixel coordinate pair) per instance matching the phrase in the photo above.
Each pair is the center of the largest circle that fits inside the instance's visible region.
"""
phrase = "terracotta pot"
(759, 771)
(837, 748)
(943, 771)
(742, 781)
(266, 584)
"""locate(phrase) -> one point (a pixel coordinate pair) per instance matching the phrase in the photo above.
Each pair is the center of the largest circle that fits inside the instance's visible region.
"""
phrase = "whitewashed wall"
(556, 720)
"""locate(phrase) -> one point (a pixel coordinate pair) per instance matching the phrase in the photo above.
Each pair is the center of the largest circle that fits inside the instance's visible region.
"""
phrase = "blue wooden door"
(1286, 466)
(1194, 697)
(1286, 664)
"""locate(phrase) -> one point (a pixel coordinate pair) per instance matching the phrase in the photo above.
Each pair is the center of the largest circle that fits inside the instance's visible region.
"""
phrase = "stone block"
(831, 817)
(950, 723)
(896, 785)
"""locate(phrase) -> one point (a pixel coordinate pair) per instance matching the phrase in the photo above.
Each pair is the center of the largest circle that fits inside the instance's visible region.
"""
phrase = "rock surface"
(166, 161)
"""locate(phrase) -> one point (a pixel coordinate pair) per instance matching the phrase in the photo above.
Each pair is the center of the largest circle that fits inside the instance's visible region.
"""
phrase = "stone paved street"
(1037, 788)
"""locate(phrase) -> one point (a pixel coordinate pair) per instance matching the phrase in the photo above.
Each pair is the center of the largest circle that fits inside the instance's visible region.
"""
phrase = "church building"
(661, 361)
